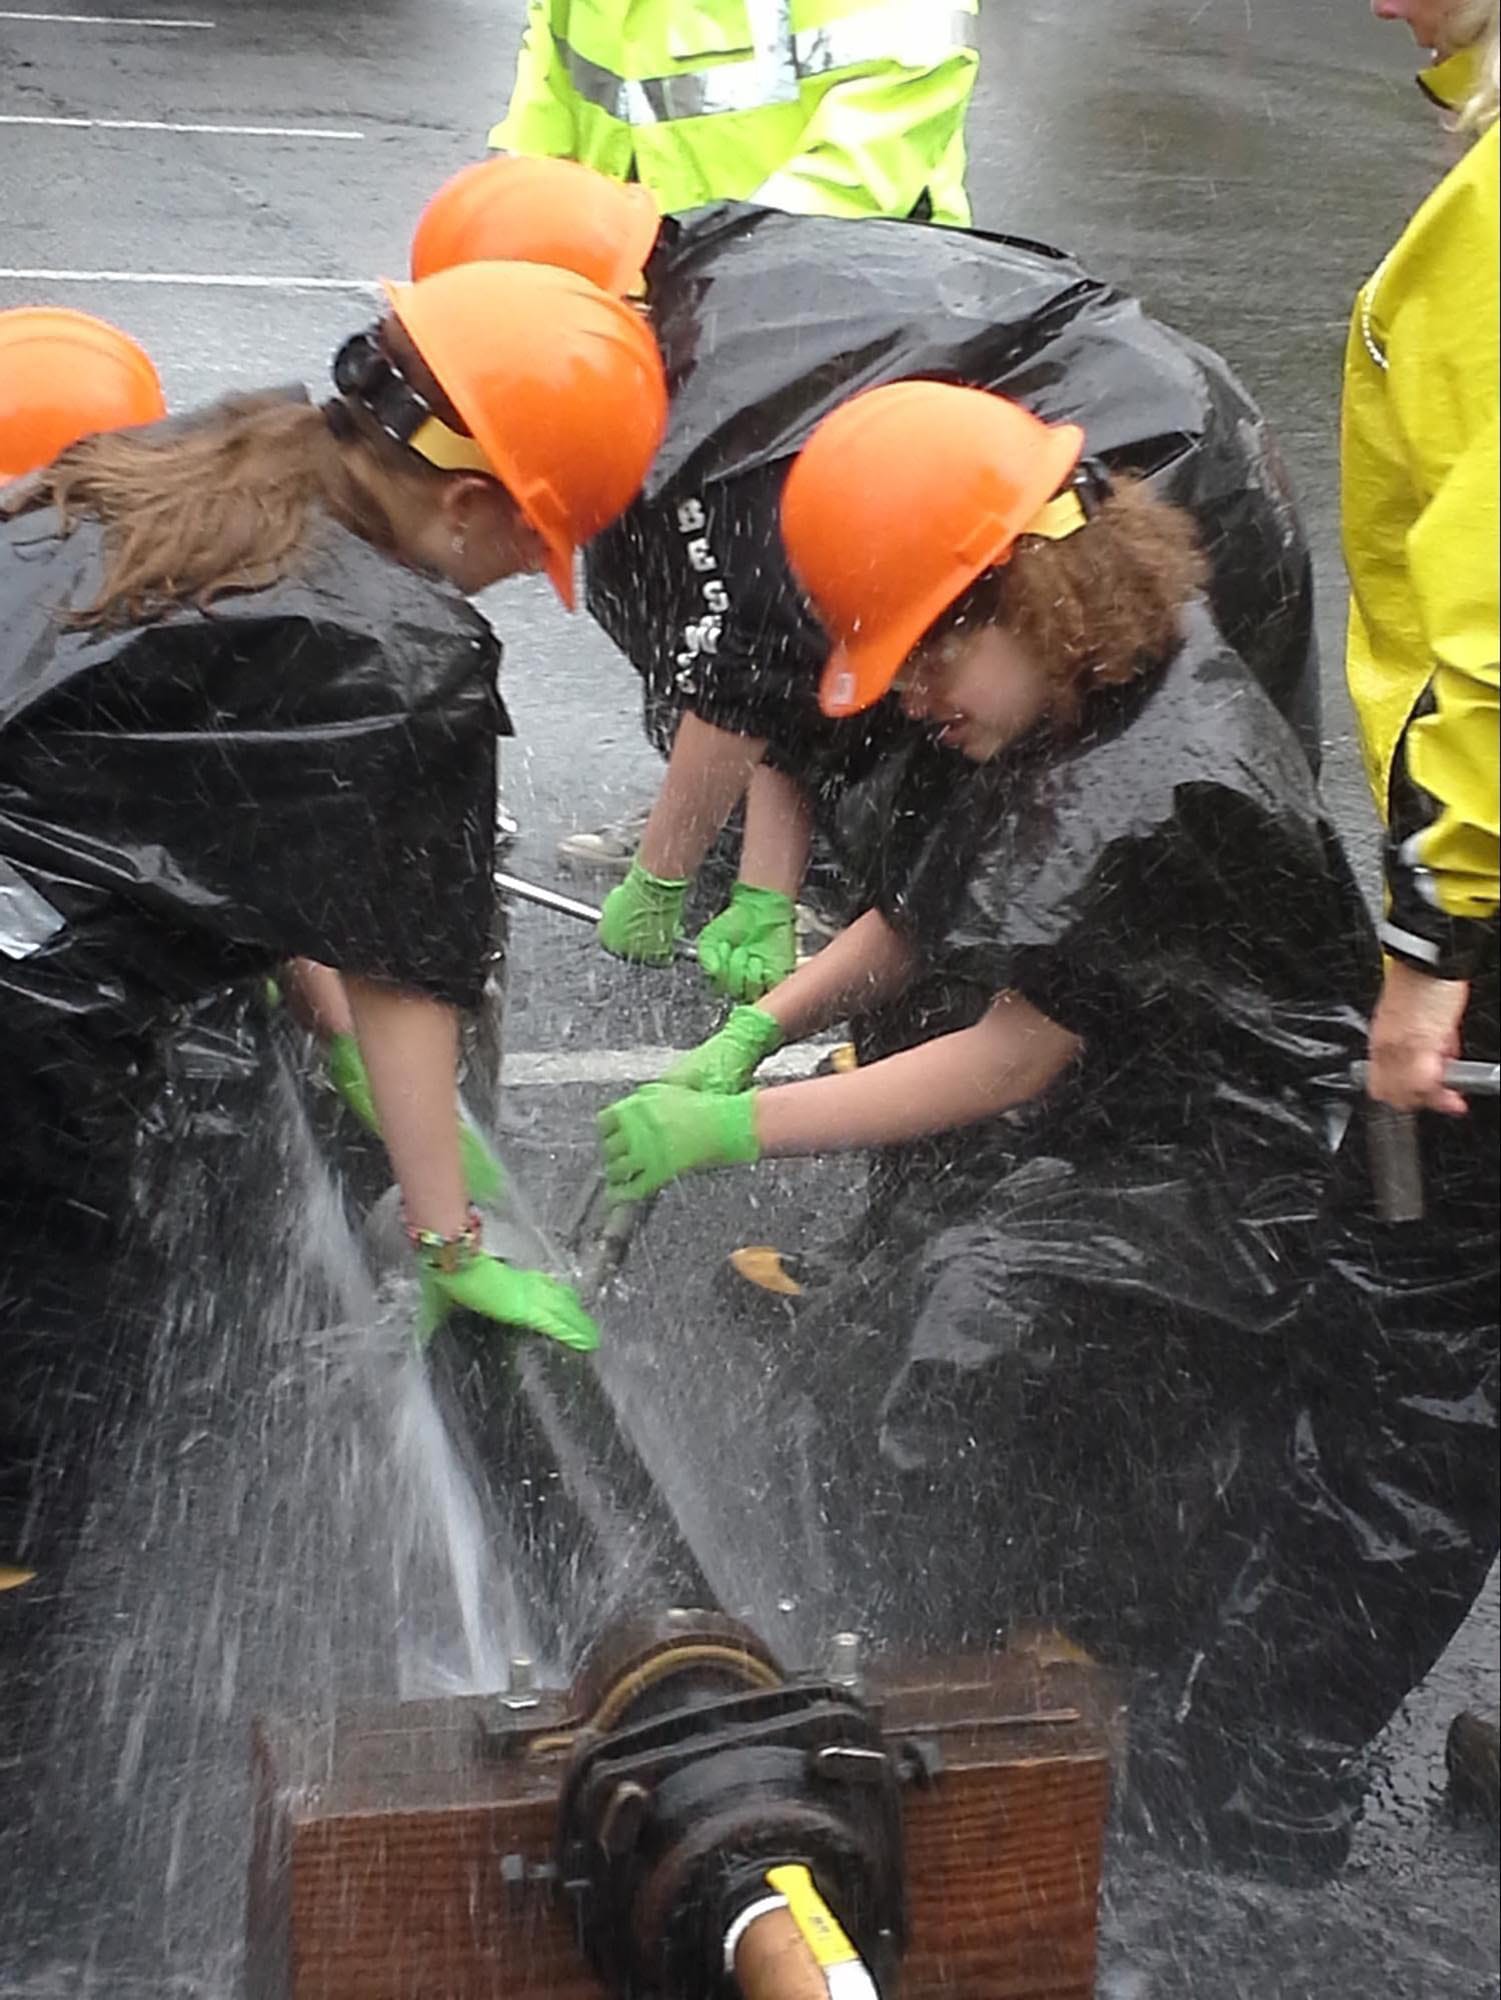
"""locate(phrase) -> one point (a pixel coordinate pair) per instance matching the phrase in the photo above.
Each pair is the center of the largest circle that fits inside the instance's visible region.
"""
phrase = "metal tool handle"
(1471, 1079)
(600, 1237)
(572, 906)
(1392, 1136)
(610, 1249)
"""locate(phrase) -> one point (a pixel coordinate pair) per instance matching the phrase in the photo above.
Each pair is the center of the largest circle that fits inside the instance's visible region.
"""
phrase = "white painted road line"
(536, 1068)
(103, 20)
(254, 281)
(165, 125)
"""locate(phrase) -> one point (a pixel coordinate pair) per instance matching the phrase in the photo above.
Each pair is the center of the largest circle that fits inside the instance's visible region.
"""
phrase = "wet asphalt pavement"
(1239, 163)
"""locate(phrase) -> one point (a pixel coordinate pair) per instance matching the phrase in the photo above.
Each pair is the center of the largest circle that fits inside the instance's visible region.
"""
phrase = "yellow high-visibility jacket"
(823, 107)
(1421, 466)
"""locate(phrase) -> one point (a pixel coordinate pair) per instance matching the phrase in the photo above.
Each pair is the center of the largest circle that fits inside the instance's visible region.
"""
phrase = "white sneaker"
(814, 930)
(607, 850)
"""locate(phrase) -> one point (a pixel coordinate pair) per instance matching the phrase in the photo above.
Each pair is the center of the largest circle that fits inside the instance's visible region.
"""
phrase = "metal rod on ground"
(1396, 1158)
(620, 1225)
(571, 906)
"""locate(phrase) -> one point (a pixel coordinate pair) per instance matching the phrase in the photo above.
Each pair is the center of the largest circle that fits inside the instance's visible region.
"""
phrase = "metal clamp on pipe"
(1392, 1136)
(727, 1833)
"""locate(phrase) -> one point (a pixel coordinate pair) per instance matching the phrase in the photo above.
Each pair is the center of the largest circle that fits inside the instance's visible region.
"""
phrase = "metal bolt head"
(521, 1686)
(844, 1659)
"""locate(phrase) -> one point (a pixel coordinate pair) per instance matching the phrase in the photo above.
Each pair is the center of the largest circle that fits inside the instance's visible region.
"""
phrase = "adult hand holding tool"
(1395, 1154)
(1415, 1034)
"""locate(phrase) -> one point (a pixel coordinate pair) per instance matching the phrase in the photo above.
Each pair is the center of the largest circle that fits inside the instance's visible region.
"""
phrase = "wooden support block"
(406, 1853)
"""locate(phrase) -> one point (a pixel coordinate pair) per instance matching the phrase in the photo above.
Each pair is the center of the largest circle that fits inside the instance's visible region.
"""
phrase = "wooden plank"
(417, 1906)
(1003, 1874)
(402, 1854)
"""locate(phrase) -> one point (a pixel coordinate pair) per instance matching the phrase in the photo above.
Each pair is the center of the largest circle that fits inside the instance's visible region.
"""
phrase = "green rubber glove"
(660, 1132)
(483, 1176)
(751, 945)
(726, 1062)
(527, 1300)
(641, 918)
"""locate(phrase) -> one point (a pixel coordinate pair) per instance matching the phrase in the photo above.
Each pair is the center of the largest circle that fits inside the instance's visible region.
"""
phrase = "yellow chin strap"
(449, 449)
(1062, 517)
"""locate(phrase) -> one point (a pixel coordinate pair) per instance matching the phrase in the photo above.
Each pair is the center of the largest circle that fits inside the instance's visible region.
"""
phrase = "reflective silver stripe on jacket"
(912, 33)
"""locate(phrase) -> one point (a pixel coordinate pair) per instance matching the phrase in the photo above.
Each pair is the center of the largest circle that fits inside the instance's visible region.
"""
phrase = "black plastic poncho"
(307, 769)
(1163, 884)
(1137, 1362)
(769, 321)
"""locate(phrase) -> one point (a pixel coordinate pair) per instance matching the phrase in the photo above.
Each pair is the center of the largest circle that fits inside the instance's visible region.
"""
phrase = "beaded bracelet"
(447, 1253)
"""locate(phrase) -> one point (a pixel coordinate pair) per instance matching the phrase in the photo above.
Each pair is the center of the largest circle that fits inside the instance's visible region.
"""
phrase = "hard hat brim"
(560, 550)
(559, 567)
(859, 673)
(862, 669)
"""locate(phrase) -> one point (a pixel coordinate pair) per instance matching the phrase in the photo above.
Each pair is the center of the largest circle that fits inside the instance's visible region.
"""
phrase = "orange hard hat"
(898, 501)
(559, 383)
(63, 375)
(541, 212)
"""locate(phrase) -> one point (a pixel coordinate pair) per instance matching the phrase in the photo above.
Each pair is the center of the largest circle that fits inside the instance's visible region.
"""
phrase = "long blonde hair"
(1479, 28)
(229, 502)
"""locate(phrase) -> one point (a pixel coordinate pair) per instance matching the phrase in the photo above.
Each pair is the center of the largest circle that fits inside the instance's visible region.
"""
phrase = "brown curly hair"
(1101, 607)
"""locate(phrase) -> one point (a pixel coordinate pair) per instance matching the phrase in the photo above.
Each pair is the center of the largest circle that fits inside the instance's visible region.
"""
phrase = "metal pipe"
(1473, 1079)
(571, 906)
(1392, 1138)
(546, 899)
(610, 1248)
(600, 1235)
(565, 1492)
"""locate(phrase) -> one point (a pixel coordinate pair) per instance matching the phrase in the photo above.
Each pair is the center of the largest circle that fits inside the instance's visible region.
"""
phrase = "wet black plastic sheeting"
(1114, 1363)
(306, 769)
(769, 321)
(1139, 1361)
(289, 773)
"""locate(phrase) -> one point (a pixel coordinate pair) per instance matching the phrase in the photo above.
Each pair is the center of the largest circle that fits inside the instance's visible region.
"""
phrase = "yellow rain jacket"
(1420, 473)
(823, 107)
